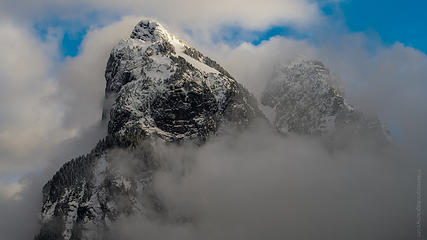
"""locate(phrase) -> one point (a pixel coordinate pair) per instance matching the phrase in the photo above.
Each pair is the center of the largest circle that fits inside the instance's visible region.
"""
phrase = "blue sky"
(389, 20)
(72, 34)
(392, 20)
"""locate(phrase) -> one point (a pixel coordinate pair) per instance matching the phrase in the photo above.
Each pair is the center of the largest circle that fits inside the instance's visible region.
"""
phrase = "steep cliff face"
(163, 90)
(167, 89)
(306, 100)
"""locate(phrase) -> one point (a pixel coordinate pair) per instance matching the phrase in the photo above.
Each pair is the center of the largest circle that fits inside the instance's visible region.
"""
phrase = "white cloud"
(44, 107)
(188, 13)
(81, 79)
(60, 102)
(388, 81)
(254, 65)
(259, 185)
(28, 116)
(250, 14)
(11, 190)
(43, 103)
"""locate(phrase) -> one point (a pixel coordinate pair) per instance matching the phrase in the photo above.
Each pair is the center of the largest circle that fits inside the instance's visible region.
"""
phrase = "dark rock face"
(164, 90)
(188, 108)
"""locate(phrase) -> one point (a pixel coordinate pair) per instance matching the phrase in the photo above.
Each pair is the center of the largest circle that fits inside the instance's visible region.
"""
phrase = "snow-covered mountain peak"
(150, 67)
(161, 89)
(164, 90)
(306, 99)
(310, 71)
(301, 75)
(151, 30)
(301, 59)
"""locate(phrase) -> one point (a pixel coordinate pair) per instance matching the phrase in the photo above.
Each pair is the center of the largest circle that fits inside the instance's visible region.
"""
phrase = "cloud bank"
(188, 13)
(261, 185)
(27, 114)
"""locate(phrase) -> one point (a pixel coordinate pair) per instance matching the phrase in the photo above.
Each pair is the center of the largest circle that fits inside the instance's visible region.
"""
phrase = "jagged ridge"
(307, 100)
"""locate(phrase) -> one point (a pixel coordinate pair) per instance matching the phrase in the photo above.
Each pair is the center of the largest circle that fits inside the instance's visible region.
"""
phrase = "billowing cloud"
(28, 116)
(261, 185)
(189, 13)
(388, 81)
(50, 113)
(43, 104)
(250, 14)
(11, 190)
(255, 65)
(81, 79)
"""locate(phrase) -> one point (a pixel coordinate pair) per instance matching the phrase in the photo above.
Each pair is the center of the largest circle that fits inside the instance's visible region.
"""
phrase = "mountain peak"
(306, 99)
(152, 67)
(162, 90)
(150, 30)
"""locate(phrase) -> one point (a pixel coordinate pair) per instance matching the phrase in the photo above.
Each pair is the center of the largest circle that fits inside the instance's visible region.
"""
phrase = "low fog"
(20, 211)
(261, 185)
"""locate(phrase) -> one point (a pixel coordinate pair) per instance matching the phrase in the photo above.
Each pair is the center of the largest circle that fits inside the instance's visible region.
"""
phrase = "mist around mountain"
(190, 154)
(272, 178)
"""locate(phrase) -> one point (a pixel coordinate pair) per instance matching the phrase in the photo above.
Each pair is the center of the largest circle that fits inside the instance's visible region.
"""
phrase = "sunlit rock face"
(162, 90)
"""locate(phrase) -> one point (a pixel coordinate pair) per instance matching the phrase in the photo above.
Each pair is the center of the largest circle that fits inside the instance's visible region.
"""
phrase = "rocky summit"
(306, 99)
(162, 90)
